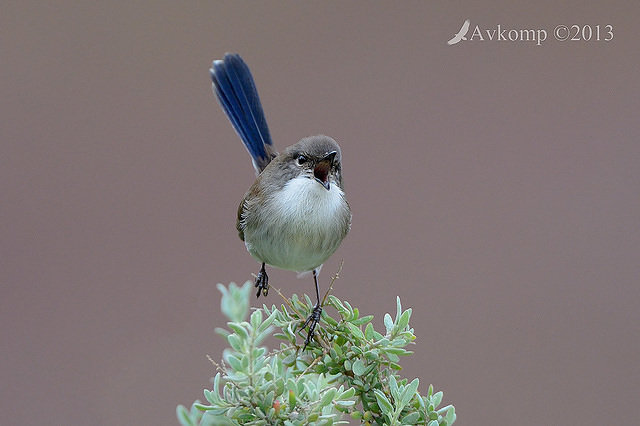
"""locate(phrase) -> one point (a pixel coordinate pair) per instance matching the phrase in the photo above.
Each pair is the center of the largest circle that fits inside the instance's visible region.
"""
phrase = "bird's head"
(316, 157)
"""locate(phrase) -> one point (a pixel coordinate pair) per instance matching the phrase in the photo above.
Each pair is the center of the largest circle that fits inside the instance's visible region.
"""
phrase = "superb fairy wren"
(295, 215)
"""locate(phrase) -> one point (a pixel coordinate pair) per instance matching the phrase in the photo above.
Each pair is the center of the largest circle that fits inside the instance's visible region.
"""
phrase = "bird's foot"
(262, 282)
(312, 322)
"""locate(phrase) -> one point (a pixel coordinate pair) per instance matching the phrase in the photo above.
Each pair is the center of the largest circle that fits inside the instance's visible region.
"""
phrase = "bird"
(461, 34)
(295, 215)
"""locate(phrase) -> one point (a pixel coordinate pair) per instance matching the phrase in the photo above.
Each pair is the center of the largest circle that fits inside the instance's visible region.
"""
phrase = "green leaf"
(267, 322)
(393, 387)
(329, 320)
(235, 342)
(436, 399)
(388, 323)
(409, 392)
(411, 418)
(328, 397)
(451, 414)
(336, 303)
(290, 359)
(404, 319)
(372, 355)
(235, 362)
(363, 320)
(238, 329)
(261, 336)
(183, 415)
(368, 331)
(338, 350)
(234, 303)
(347, 365)
(267, 402)
(396, 351)
(256, 319)
(347, 394)
(350, 308)
(358, 367)
(355, 331)
(383, 402)
(377, 336)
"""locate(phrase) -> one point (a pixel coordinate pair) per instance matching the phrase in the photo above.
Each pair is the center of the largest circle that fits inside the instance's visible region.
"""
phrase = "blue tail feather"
(236, 91)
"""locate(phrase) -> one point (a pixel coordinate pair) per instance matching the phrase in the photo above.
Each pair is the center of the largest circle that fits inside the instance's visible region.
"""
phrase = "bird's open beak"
(322, 169)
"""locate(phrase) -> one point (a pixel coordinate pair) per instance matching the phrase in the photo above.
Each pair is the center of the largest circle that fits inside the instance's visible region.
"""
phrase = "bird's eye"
(301, 160)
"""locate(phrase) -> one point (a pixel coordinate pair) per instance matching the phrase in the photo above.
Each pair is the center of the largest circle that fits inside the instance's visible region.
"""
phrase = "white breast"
(300, 227)
(307, 200)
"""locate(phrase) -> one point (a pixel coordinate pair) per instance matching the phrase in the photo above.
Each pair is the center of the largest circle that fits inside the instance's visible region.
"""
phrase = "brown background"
(494, 186)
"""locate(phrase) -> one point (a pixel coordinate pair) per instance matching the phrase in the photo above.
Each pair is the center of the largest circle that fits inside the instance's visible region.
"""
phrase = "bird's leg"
(314, 318)
(262, 282)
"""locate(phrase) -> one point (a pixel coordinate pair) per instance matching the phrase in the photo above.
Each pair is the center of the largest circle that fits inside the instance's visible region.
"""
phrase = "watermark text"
(561, 33)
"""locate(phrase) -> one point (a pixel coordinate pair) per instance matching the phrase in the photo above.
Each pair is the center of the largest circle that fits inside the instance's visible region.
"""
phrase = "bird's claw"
(312, 322)
(262, 282)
